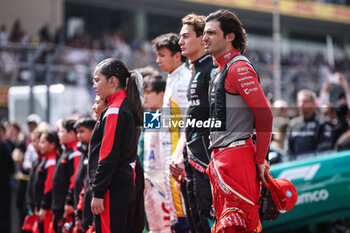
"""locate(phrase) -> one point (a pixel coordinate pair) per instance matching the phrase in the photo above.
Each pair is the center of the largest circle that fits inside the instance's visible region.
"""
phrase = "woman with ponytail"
(113, 146)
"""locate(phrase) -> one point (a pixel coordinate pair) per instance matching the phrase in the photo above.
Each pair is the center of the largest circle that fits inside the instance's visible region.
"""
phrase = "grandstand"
(60, 41)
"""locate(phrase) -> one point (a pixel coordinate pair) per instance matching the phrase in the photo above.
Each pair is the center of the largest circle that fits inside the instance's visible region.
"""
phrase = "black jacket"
(305, 136)
(30, 186)
(63, 181)
(80, 178)
(113, 148)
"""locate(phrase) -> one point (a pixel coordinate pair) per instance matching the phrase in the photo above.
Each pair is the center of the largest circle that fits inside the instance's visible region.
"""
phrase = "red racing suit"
(237, 101)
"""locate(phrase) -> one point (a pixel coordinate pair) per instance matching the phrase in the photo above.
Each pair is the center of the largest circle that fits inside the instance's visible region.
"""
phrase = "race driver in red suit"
(238, 103)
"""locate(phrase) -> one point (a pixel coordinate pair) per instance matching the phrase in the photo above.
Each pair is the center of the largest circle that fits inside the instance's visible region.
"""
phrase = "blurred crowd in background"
(324, 99)
(72, 59)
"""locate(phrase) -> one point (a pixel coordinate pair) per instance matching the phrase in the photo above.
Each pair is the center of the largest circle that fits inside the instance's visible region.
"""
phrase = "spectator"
(13, 138)
(33, 120)
(17, 32)
(343, 142)
(280, 122)
(16, 143)
(44, 34)
(334, 85)
(328, 112)
(309, 132)
(28, 154)
(2, 133)
(6, 170)
(341, 122)
(3, 35)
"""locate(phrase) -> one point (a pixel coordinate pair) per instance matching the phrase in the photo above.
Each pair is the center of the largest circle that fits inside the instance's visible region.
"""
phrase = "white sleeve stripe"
(50, 162)
(74, 154)
(111, 111)
(133, 164)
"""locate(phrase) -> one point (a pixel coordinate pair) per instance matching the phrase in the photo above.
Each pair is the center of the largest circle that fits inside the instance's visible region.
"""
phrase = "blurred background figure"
(309, 131)
(280, 123)
(33, 120)
(6, 170)
(341, 121)
(328, 112)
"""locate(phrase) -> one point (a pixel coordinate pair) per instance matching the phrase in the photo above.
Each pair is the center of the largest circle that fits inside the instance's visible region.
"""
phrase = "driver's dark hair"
(229, 23)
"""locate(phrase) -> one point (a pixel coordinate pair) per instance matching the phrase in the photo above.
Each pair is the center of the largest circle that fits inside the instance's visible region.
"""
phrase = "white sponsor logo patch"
(242, 70)
(247, 84)
(249, 90)
(195, 102)
(244, 78)
(306, 172)
(227, 56)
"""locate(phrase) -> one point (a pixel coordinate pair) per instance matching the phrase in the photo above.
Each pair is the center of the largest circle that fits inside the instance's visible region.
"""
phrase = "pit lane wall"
(323, 186)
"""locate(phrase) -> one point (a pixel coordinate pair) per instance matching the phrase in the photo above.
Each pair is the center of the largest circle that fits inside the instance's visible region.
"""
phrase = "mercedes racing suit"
(237, 101)
(197, 154)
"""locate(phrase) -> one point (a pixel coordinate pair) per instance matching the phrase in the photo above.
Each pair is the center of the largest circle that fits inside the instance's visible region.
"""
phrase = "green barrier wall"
(323, 186)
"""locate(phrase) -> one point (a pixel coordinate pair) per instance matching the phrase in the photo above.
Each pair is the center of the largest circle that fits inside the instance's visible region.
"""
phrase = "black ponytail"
(134, 99)
(114, 67)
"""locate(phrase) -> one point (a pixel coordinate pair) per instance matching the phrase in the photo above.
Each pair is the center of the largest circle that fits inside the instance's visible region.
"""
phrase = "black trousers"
(137, 214)
(117, 204)
(58, 220)
(198, 200)
(124, 210)
(5, 208)
(87, 216)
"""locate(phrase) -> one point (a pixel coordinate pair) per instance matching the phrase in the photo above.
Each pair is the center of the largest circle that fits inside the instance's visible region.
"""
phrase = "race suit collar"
(199, 61)
(50, 154)
(177, 70)
(72, 144)
(115, 96)
(225, 58)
